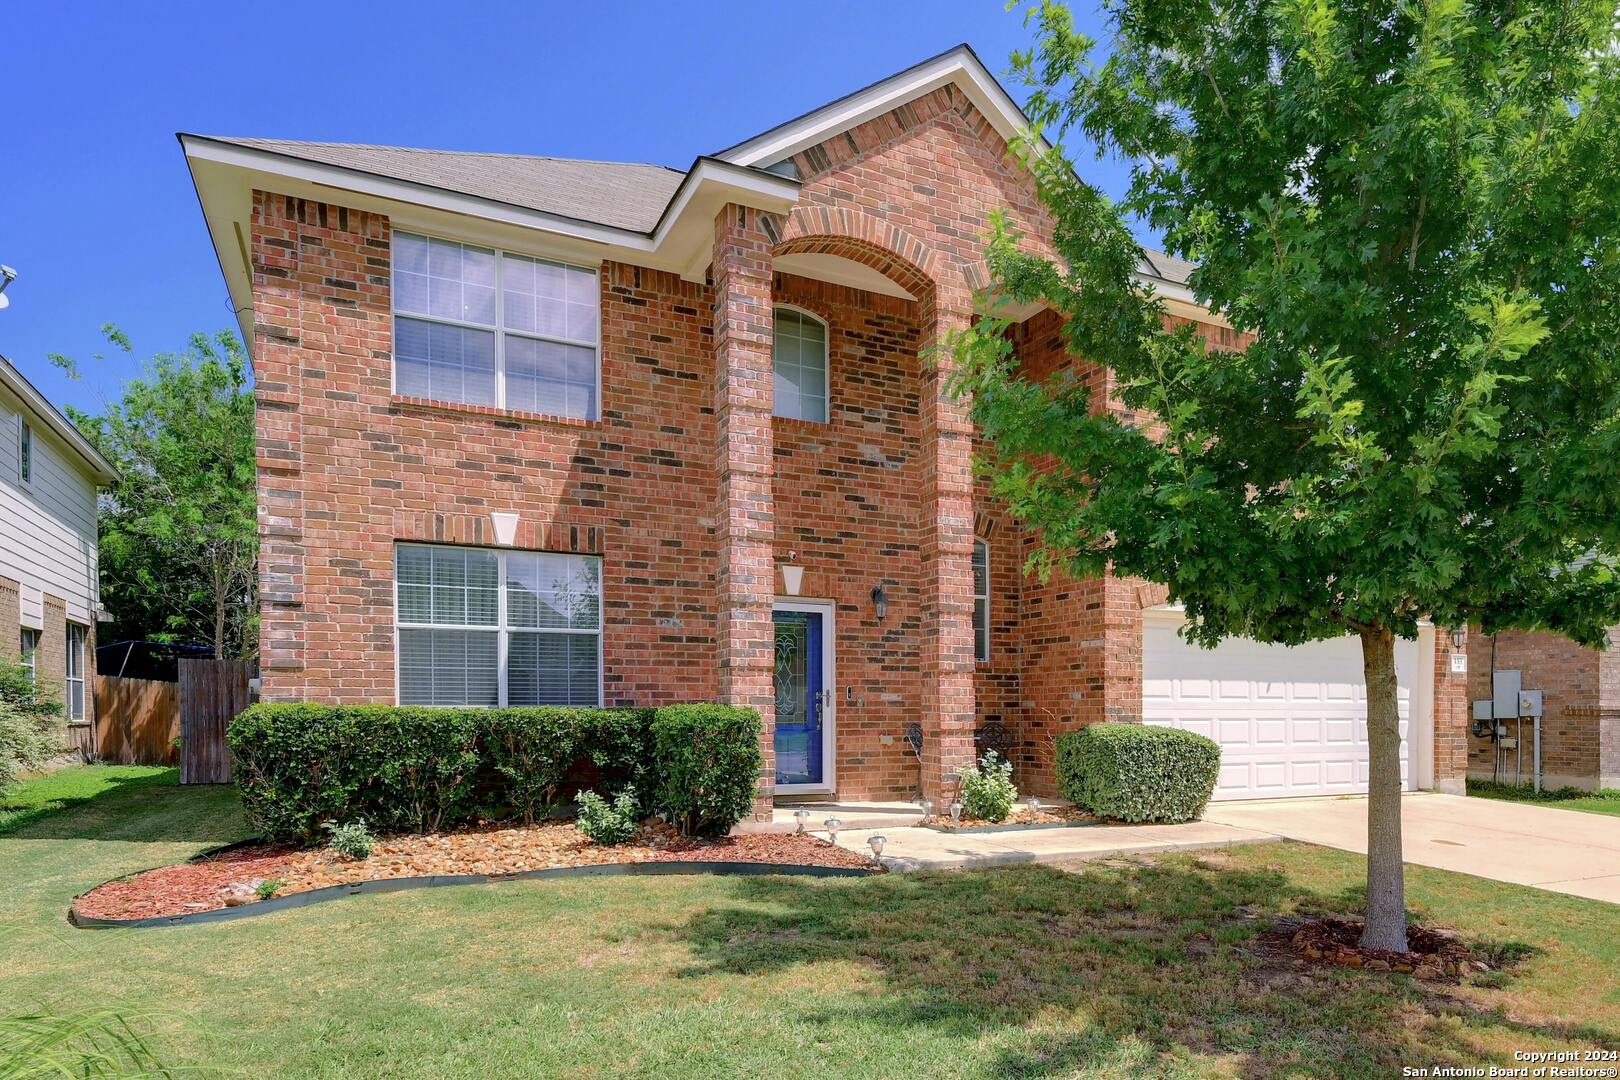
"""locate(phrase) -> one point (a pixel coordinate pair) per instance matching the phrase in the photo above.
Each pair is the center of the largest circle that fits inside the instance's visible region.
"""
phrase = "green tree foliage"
(179, 533)
(1408, 211)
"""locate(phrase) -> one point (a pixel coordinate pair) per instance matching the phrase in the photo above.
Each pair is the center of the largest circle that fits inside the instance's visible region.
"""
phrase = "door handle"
(822, 700)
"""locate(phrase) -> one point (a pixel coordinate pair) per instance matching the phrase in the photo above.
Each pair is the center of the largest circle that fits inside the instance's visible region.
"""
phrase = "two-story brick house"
(540, 430)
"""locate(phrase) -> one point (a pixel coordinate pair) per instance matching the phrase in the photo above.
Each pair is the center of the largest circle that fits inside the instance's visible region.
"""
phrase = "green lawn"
(1132, 968)
(70, 787)
(1606, 801)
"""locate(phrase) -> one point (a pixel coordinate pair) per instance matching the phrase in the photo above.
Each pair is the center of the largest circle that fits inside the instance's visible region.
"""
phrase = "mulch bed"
(1047, 815)
(1432, 954)
(227, 879)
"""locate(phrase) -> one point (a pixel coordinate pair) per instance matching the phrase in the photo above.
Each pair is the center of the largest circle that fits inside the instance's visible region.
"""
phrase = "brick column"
(279, 356)
(1452, 712)
(946, 537)
(10, 619)
(745, 527)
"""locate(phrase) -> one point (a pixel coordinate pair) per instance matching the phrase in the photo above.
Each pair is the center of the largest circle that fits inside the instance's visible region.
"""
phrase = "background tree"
(179, 533)
(1409, 212)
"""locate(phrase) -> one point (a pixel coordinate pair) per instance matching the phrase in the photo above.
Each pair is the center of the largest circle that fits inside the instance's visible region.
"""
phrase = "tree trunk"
(1386, 875)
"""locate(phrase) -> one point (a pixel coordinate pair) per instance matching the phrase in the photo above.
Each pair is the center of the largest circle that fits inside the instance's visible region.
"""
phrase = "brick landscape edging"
(433, 881)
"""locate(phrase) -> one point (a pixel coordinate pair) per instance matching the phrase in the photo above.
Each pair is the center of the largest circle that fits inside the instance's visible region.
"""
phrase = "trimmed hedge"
(1138, 772)
(707, 760)
(416, 768)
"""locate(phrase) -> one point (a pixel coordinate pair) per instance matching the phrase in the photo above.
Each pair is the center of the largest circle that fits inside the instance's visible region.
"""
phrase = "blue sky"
(97, 213)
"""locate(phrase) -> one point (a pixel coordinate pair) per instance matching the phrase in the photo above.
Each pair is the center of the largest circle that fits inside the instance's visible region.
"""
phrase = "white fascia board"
(225, 176)
(959, 66)
(51, 420)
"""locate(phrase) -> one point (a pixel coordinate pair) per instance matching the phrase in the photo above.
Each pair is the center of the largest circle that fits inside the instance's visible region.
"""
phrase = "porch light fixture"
(833, 825)
(792, 575)
(7, 276)
(876, 842)
(1458, 636)
(880, 602)
(800, 815)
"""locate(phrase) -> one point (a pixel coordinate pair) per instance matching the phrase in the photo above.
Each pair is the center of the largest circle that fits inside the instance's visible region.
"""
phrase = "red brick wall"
(1574, 693)
(10, 619)
(361, 470)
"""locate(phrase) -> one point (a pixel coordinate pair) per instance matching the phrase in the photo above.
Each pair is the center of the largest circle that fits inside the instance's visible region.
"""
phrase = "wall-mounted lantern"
(1458, 637)
(880, 602)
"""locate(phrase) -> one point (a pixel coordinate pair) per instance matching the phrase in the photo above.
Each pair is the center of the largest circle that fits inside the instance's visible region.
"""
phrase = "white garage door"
(1290, 721)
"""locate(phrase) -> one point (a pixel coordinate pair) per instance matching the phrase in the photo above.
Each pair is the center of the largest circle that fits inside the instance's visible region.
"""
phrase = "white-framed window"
(981, 601)
(483, 327)
(799, 362)
(479, 626)
(28, 652)
(25, 452)
(75, 672)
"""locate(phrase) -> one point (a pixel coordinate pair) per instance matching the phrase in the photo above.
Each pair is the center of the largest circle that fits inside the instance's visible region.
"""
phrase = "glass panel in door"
(800, 697)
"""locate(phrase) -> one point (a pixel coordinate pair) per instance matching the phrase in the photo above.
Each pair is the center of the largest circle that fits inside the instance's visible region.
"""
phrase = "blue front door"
(800, 697)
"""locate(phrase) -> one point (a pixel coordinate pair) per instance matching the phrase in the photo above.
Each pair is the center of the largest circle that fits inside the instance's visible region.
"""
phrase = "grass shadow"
(125, 803)
(1139, 968)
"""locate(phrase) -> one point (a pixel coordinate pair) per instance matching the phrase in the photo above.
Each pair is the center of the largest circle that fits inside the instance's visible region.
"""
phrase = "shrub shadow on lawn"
(151, 808)
(1136, 967)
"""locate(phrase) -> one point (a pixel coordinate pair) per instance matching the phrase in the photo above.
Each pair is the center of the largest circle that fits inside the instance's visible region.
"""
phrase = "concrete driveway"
(1561, 850)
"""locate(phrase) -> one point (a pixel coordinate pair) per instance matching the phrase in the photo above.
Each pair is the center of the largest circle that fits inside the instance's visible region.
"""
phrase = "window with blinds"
(483, 627)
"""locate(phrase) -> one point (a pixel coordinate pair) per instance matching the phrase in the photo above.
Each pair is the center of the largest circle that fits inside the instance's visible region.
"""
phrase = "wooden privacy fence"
(137, 721)
(212, 692)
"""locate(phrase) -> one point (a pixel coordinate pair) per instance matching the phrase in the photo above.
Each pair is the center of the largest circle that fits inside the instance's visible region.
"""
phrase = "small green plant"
(987, 788)
(267, 888)
(607, 824)
(351, 840)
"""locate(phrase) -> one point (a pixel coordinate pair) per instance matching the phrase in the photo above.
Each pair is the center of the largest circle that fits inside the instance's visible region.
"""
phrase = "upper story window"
(25, 453)
(799, 360)
(484, 627)
(484, 327)
(981, 600)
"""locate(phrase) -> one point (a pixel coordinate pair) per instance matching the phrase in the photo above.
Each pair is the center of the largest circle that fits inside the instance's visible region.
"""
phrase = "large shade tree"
(179, 530)
(1408, 211)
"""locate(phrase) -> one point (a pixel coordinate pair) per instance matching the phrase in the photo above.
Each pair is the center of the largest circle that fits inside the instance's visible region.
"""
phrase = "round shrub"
(707, 759)
(1138, 772)
(987, 788)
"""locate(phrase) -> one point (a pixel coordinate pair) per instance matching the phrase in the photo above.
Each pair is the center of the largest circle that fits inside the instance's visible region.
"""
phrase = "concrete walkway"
(926, 849)
(1563, 851)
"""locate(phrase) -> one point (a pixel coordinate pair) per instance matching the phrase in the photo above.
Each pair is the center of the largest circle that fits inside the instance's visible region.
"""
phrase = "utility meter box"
(1530, 703)
(1483, 710)
(1505, 693)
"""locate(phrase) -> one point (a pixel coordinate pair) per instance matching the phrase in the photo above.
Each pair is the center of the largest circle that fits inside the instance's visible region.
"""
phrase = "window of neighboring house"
(484, 327)
(25, 454)
(799, 360)
(981, 600)
(485, 627)
(29, 650)
(75, 672)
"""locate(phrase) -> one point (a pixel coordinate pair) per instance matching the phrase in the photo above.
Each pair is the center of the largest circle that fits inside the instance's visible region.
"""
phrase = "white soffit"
(959, 65)
(840, 271)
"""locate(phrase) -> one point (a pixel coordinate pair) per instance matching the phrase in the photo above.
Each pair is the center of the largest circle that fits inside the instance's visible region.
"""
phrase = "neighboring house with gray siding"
(49, 595)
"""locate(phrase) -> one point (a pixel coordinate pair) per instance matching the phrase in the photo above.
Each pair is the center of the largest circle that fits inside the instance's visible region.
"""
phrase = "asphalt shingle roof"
(620, 194)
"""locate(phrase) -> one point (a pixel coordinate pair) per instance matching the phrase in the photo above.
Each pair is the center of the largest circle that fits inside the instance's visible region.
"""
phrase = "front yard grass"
(1606, 801)
(1130, 968)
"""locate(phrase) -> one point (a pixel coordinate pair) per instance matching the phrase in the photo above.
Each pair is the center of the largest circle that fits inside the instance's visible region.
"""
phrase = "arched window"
(981, 600)
(799, 359)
